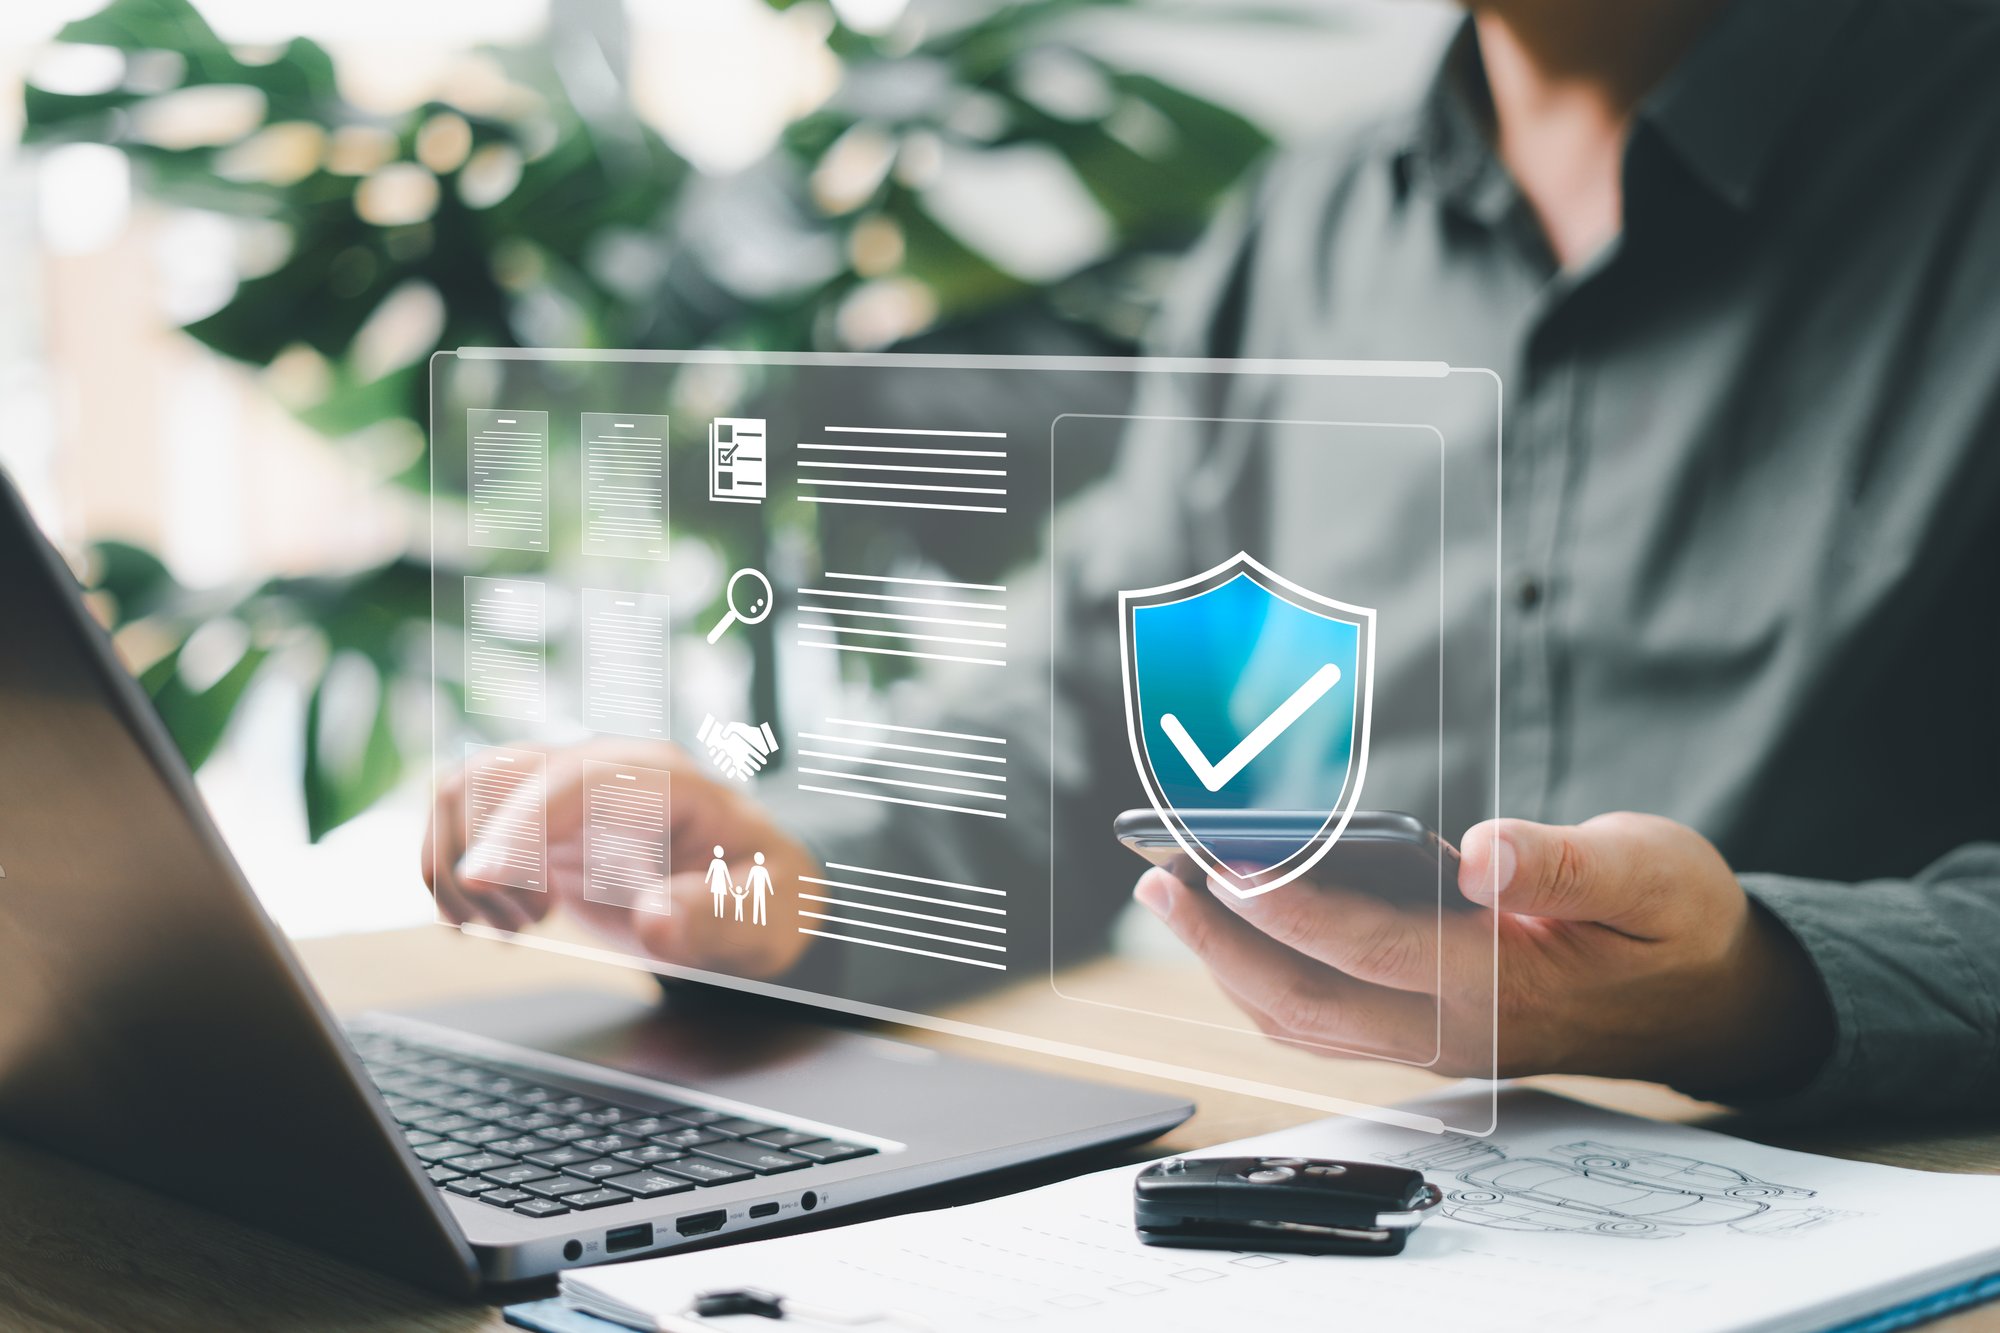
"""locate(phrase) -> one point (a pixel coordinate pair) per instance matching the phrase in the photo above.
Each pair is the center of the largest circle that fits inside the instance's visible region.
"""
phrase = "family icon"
(756, 887)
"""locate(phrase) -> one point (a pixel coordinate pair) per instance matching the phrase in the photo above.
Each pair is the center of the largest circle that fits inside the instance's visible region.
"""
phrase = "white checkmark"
(1216, 776)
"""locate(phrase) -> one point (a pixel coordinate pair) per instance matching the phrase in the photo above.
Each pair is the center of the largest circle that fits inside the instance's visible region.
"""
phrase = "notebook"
(1569, 1217)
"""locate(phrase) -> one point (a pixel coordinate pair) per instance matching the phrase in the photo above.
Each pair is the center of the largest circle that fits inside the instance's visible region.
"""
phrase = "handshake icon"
(737, 748)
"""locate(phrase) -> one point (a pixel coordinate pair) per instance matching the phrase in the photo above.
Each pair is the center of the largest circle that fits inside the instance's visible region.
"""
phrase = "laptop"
(154, 1024)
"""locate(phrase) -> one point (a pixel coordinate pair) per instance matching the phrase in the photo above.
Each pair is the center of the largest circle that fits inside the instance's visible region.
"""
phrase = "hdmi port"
(700, 1224)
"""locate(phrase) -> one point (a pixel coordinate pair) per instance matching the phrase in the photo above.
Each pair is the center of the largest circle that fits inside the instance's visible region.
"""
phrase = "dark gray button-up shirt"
(1752, 481)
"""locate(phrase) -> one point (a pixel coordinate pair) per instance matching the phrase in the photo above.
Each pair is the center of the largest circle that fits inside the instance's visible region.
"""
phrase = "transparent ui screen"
(876, 681)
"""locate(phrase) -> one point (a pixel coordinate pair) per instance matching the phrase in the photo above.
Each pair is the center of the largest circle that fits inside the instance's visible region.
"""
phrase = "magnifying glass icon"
(749, 597)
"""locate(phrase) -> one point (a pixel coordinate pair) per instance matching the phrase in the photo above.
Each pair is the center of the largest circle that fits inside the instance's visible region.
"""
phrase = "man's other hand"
(1626, 948)
(704, 814)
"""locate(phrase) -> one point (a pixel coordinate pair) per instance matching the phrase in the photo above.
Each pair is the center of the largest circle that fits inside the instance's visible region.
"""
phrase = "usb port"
(700, 1224)
(620, 1239)
(763, 1209)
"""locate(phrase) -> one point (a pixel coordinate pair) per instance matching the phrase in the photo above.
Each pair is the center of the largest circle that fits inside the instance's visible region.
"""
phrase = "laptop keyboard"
(507, 1138)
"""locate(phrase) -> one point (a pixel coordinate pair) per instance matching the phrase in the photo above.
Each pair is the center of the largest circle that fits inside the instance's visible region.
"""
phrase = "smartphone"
(1390, 855)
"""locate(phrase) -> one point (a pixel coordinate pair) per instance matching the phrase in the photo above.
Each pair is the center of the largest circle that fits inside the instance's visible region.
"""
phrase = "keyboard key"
(417, 1138)
(520, 1173)
(540, 1208)
(561, 1157)
(534, 1122)
(650, 1184)
(427, 1089)
(686, 1138)
(740, 1128)
(596, 1170)
(518, 1146)
(694, 1115)
(470, 1186)
(645, 1127)
(504, 1198)
(535, 1095)
(445, 1151)
(484, 1161)
(607, 1143)
(574, 1105)
(649, 1153)
(704, 1172)
(605, 1115)
(784, 1138)
(597, 1198)
(409, 1115)
(764, 1161)
(556, 1187)
(832, 1150)
(458, 1101)
(442, 1175)
(567, 1133)
(445, 1124)
(481, 1135)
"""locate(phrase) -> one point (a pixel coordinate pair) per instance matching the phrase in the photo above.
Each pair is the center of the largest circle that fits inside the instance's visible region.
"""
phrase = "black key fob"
(1300, 1205)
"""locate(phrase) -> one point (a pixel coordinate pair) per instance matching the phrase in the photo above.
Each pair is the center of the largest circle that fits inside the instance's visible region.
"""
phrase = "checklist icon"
(736, 460)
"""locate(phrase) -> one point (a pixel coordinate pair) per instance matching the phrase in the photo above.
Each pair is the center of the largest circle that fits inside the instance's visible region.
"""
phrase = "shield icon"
(1246, 691)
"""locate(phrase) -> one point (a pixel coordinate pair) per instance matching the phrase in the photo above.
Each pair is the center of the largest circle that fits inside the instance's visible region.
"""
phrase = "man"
(1739, 264)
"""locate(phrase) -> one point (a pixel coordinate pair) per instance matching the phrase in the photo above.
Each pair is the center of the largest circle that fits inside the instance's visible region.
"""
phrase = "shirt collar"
(1724, 111)
(1727, 108)
(1449, 139)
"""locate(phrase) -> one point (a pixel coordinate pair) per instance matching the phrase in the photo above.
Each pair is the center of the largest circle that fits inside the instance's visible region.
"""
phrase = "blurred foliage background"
(536, 206)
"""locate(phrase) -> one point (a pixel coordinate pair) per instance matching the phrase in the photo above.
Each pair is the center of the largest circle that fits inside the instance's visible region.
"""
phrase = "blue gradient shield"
(1246, 691)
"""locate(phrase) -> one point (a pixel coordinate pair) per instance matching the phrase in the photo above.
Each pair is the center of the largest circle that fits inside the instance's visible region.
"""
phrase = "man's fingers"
(1614, 870)
(1289, 995)
(1352, 932)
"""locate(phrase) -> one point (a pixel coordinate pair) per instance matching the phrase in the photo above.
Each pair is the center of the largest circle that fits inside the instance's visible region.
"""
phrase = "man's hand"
(704, 814)
(1626, 948)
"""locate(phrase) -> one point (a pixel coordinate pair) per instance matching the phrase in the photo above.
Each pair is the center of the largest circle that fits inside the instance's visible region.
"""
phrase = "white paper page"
(627, 837)
(625, 485)
(507, 481)
(625, 662)
(506, 646)
(1625, 1224)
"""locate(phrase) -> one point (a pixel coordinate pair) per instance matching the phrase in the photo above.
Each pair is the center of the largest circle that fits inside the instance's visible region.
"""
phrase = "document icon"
(736, 460)
(625, 485)
(507, 479)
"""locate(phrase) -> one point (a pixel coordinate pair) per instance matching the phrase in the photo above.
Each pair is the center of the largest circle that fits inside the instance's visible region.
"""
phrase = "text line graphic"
(894, 616)
(949, 922)
(847, 759)
(903, 471)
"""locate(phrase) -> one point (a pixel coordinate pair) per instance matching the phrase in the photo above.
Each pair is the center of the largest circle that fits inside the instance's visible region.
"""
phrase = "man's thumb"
(1570, 873)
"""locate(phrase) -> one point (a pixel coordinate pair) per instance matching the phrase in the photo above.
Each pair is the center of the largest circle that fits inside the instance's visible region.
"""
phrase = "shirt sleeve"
(1912, 982)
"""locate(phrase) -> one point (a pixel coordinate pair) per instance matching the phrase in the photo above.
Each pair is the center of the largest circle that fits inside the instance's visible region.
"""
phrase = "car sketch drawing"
(1603, 1189)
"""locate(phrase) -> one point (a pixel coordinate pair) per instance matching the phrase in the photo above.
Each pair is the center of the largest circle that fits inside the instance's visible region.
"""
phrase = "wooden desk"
(81, 1251)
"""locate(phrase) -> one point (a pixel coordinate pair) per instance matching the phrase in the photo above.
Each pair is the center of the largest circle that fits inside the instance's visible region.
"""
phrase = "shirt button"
(1528, 593)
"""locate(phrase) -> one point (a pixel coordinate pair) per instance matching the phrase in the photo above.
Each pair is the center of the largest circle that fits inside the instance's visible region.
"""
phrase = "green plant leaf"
(334, 793)
(197, 720)
(136, 580)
